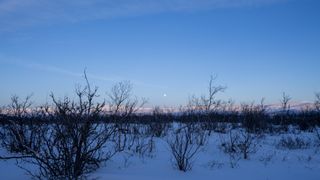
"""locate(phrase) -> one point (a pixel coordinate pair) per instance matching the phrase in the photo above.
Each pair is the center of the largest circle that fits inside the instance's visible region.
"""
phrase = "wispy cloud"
(55, 69)
(58, 70)
(17, 13)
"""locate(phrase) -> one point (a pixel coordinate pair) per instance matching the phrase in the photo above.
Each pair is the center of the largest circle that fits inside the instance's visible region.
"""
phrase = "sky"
(166, 48)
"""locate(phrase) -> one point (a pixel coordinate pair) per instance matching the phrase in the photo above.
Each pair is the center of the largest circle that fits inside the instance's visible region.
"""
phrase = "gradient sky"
(258, 48)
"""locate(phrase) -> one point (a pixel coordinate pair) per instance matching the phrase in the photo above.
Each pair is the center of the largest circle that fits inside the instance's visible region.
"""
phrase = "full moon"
(164, 95)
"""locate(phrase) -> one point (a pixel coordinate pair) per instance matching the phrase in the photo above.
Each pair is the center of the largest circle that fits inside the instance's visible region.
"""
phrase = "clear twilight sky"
(258, 48)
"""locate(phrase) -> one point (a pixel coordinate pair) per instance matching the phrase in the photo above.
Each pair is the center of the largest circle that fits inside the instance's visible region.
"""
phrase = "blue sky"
(258, 48)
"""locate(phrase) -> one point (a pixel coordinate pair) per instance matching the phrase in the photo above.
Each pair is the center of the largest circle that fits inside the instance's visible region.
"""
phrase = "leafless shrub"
(292, 143)
(144, 147)
(240, 142)
(20, 128)
(222, 127)
(215, 165)
(20, 108)
(285, 111)
(158, 127)
(229, 146)
(317, 102)
(254, 117)
(203, 108)
(207, 103)
(74, 143)
(267, 158)
(316, 129)
(210, 102)
(184, 144)
(317, 134)
(285, 102)
(121, 101)
(248, 143)
(305, 158)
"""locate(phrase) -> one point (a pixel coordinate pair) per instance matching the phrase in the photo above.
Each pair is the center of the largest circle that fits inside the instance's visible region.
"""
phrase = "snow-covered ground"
(269, 163)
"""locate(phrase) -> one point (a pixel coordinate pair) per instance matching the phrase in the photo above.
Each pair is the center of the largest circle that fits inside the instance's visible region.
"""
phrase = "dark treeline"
(251, 118)
(72, 138)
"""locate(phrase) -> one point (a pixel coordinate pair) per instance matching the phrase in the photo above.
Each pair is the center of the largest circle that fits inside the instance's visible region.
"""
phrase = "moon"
(164, 95)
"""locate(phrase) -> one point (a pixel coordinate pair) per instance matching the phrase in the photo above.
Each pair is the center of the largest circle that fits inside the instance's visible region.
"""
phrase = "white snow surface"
(268, 163)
